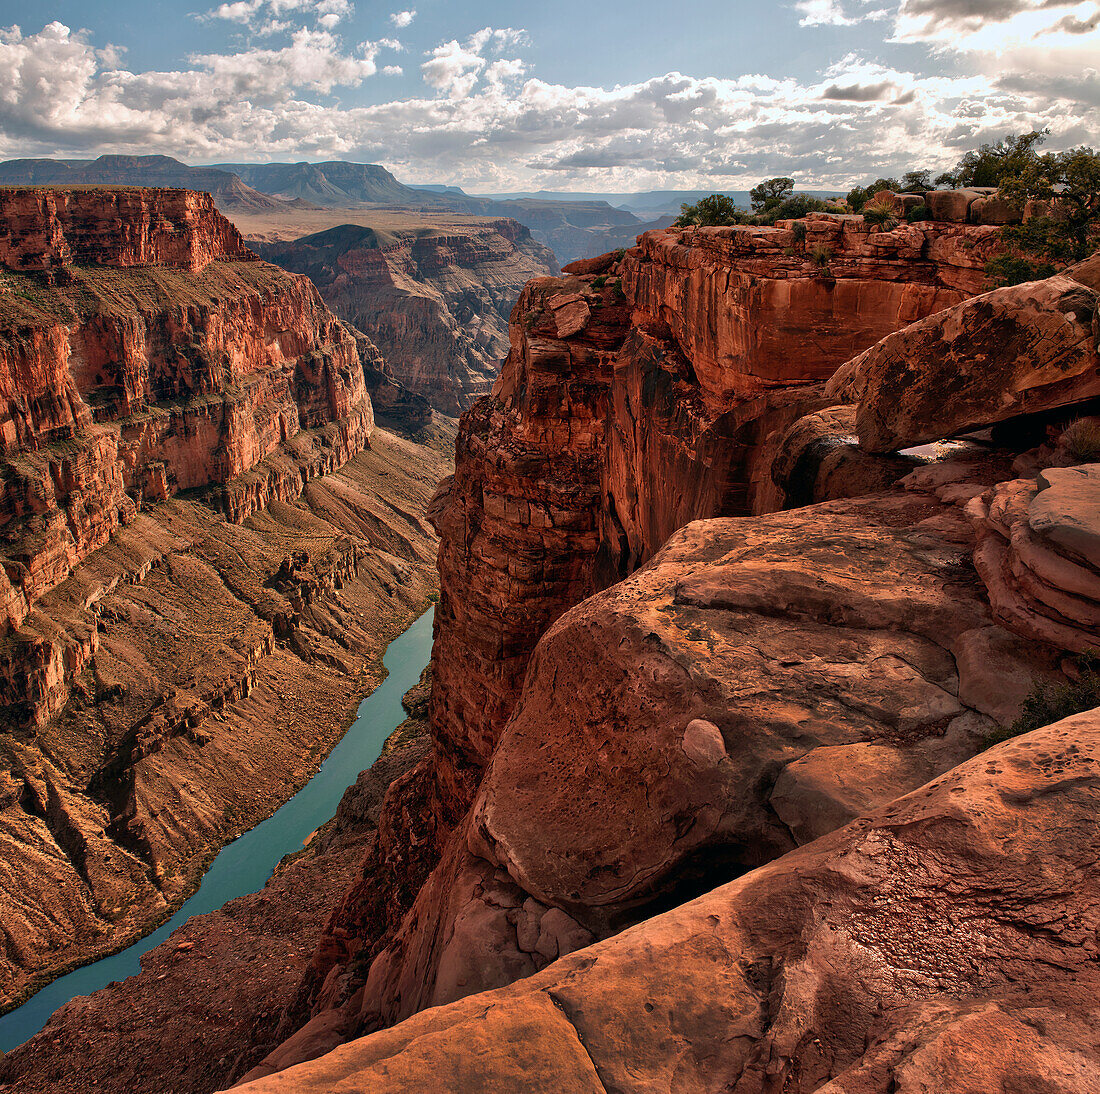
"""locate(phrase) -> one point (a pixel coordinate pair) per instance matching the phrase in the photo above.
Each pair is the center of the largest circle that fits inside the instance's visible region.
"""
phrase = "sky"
(596, 96)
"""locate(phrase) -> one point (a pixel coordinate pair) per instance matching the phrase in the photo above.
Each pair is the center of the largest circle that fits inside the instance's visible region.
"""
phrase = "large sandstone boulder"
(1039, 555)
(945, 943)
(995, 209)
(1010, 352)
(759, 682)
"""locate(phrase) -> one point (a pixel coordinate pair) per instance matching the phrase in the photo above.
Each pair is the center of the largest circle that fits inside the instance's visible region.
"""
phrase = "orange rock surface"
(944, 942)
(159, 356)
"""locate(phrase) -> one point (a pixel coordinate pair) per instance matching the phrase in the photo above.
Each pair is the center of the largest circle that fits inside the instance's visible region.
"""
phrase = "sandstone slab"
(887, 957)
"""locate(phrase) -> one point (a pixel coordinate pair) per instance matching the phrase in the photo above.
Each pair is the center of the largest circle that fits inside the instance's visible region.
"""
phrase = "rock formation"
(711, 668)
(435, 300)
(642, 392)
(1034, 345)
(154, 355)
(946, 941)
(188, 583)
(213, 990)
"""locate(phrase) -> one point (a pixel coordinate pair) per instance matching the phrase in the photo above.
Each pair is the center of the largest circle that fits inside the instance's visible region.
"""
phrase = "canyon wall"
(154, 355)
(756, 680)
(644, 391)
(434, 299)
(202, 557)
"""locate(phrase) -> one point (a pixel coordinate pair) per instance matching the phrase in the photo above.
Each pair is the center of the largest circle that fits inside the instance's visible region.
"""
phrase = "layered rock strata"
(435, 300)
(1039, 555)
(166, 359)
(187, 584)
(886, 958)
(202, 670)
(642, 392)
(43, 228)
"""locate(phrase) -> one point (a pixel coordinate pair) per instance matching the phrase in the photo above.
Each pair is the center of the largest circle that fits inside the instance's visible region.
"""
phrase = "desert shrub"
(880, 214)
(858, 196)
(713, 211)
(599, 282)
(790, 252)
(799, 231)
(821, 256)
(770, 193)
(918, 213)
(1046, 704)
(1015, 270)
(1081, 440)
(793, 208)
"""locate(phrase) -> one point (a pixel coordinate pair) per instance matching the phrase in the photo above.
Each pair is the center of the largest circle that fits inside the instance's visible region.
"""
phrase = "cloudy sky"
(567, 95)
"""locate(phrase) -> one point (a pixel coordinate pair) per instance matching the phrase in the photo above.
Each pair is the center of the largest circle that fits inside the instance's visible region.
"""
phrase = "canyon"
(791, 635)
(206, 544)
(434, 295)
(761, 540)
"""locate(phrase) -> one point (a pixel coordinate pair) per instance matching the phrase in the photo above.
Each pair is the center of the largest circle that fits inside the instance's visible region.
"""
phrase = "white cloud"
(833, 13)
(455, 68)
(486, 123)
(402, 18)
(263, 16)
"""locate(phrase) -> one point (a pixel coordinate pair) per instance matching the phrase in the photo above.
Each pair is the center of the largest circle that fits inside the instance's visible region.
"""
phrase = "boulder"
(951, 205)
(943, 942)
(995, 210)
(1007, 353)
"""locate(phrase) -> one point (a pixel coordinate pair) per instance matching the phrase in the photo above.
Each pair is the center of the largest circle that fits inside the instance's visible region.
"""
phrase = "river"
(245, 865)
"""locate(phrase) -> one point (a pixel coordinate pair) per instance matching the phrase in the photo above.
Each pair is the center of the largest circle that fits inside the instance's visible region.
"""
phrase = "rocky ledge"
(886, 958)
(45, 228)
(762, 678)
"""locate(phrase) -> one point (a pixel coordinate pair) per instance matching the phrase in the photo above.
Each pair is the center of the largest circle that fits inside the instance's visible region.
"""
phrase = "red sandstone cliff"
(434, 299)
(187, 583)
(641, 392)
(158, 356)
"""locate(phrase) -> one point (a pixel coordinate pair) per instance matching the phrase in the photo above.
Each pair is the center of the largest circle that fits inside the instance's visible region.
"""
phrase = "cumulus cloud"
(985, 23)
(265, 17)
(486, 122)
(402, 18)
(455, 68)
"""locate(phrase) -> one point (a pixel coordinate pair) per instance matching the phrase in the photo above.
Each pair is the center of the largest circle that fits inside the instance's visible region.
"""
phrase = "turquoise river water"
(244, 865)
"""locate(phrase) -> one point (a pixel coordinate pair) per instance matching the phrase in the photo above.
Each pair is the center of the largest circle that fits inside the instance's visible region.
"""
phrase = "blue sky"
(569, 95)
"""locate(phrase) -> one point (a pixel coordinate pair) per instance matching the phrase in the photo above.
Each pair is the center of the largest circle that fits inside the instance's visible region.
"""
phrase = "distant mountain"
(572, 225)
(229, 192)
(437, 187)
(333, 183)
(571, 228)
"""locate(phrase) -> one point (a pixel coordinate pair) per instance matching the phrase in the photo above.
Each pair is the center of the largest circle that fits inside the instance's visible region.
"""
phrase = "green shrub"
(713, 211)
(918, 213)
(599, 282)
(799, 230)
(1081, 440)
(821, 256)
(1015, 270)
(1046, 704)
(880, 214)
